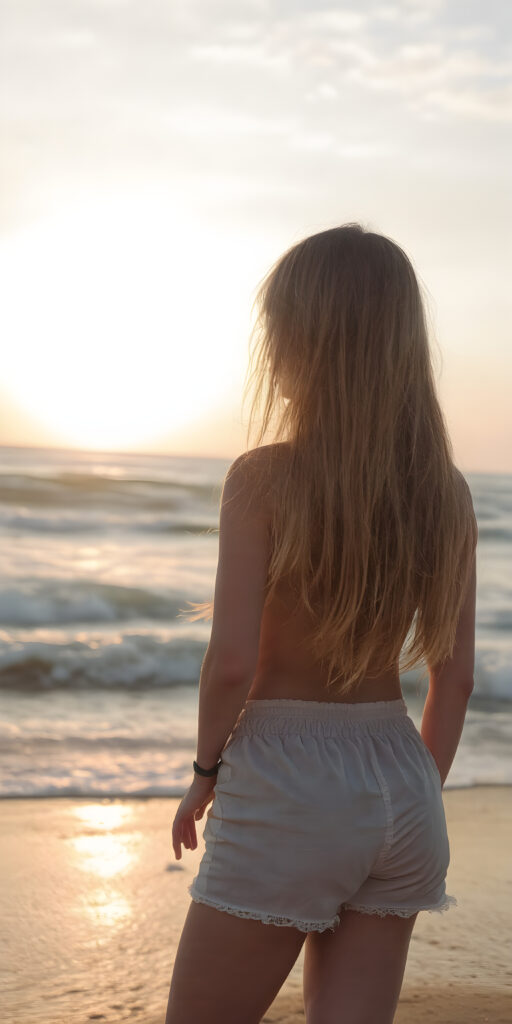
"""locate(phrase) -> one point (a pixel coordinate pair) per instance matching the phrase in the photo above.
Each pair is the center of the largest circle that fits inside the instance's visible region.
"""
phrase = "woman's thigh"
(228, 969)
(355, 974)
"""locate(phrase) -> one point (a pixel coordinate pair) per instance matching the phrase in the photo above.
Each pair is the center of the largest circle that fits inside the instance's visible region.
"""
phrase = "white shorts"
(320, 807)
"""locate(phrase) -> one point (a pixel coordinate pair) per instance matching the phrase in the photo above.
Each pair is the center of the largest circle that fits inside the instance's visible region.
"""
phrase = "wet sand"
(92, 903)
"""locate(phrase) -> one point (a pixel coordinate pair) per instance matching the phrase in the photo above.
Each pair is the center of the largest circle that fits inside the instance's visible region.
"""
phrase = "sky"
(157, 157)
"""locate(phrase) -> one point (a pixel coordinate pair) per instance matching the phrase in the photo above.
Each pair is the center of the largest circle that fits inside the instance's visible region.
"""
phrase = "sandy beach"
(93, 902)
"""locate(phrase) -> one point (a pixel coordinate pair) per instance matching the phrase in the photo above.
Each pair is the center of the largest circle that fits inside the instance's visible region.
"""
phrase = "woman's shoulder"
(466, 509)
(460, 478)
(267, 451)
(253, 474)
(263, 459)
(463, 488)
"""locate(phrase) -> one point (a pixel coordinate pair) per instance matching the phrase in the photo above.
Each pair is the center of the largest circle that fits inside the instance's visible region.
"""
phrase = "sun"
(123, 320)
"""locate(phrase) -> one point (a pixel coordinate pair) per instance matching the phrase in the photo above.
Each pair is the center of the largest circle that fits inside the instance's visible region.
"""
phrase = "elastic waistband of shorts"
(324, 711)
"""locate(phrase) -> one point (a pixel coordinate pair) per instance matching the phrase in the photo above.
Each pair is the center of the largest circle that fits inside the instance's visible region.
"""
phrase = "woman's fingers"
(176, 839)
(191, 834)
(183, 834)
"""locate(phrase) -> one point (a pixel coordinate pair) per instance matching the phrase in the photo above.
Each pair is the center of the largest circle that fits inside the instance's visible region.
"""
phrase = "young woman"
(346, 556)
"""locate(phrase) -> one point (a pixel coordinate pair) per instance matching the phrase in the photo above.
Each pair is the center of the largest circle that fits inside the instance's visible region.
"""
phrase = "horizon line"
(180, 455)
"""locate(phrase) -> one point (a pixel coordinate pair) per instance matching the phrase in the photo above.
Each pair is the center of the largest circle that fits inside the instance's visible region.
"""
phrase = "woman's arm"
(221, 699)
(232, 655)
(450, 688)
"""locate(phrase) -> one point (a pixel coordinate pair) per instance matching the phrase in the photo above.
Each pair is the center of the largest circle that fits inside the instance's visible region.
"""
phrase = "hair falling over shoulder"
(371, 520)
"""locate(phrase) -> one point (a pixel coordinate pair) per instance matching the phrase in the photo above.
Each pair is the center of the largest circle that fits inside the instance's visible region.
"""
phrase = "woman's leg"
(228, 969)
(355, 974)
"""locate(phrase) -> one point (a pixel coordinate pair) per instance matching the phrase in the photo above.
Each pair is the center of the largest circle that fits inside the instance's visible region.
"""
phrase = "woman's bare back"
(286, 667)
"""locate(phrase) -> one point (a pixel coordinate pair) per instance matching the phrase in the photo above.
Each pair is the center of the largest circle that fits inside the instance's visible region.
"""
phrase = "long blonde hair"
(372, 524)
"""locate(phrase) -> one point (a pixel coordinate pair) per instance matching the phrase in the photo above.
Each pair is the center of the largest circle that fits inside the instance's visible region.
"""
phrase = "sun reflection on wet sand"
(106, 855)
(104, 849)
(106, 906)
(106, 816)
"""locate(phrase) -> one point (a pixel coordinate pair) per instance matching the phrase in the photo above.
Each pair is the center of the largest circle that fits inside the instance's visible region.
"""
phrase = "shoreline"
(128, 797)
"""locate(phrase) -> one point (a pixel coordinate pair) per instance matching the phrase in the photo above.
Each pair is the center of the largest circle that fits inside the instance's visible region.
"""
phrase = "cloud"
(323, 91)
(108, 91)
(244, 54)
(334, 21)
(463, 83)
(329, 143)
(453, 63)
(493, 105)
(215, 122)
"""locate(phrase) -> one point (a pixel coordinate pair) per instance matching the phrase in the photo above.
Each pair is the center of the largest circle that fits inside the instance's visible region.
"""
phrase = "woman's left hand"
(191, 808)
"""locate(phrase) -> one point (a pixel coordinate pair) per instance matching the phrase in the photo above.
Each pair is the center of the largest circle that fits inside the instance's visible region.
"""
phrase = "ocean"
(99, 674)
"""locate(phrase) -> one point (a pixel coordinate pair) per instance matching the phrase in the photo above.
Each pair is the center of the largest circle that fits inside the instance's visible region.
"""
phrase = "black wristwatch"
(207, 771)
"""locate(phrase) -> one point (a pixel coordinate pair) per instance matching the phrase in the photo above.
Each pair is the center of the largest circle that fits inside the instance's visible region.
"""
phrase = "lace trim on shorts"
(448, 902)
(256, 915)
